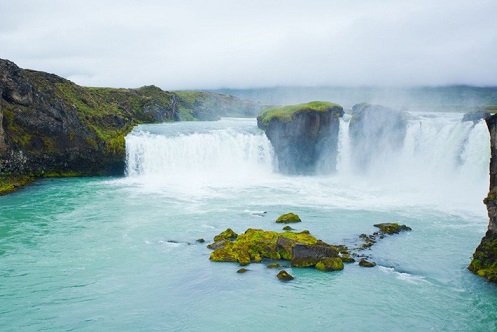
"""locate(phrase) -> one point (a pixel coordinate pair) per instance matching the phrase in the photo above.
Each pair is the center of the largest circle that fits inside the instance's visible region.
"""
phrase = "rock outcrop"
(484, 262)
(50, 126)
(375, 132)
(304, 136)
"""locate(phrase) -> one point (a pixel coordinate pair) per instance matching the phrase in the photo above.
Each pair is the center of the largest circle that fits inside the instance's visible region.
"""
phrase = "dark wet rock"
(309, 255)
(242, 270)
(287, 228)
(200, 240)
(304, 136)
(284, 276)
(288, 218)
(484, 262)
(330, 264)
(365, 263)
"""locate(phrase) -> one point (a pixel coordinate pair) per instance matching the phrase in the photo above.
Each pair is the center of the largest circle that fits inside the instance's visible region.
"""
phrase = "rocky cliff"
(50, 126)
(304, 136)
(484, 261)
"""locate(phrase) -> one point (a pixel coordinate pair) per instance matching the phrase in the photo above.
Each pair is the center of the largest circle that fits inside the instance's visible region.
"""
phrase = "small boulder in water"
(365, 263)
(330, 264)
(287, 228)
(288, 218)
(284, 276)
(228, 234)
(392, 228)
(273, 266)
(200, 240)
(242, 270)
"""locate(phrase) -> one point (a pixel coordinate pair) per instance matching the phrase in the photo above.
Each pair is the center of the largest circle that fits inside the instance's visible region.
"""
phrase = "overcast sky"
(208, 44)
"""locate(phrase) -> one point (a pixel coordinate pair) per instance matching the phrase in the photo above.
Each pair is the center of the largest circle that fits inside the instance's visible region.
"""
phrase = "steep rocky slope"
(484, 261)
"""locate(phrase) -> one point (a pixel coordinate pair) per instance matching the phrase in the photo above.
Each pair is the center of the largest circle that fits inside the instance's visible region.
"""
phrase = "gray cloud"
(211, 44)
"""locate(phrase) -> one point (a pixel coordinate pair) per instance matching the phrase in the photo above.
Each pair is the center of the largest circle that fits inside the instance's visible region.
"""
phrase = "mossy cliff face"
(304, 136)
(484, 261)
(50, 126)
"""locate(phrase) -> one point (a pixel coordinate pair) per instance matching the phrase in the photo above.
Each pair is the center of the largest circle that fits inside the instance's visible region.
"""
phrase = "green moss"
(286, 113)
(228, 234)
(365, 263)
(284, 276)
(330, 264)
(288, 218)
(490, 197)
(484, 262)
(10, 183)
(256, 244)
(392, 228)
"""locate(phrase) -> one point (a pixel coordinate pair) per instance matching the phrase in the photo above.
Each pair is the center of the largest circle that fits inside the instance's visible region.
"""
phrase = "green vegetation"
(288, 218)
(484, 261)
(286, 113)
(330, 264)
(10, 183)
(392, 228)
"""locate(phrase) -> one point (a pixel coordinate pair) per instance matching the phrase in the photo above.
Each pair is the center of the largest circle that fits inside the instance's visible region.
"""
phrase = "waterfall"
(440, 155)
(216, 155)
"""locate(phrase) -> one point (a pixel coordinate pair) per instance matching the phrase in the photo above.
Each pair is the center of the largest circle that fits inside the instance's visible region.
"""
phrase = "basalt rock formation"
(304, 136)
(484, 262)
(375, 132)
(50, 126)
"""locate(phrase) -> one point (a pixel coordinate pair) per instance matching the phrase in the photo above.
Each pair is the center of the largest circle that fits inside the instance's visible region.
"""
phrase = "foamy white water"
(442, 164)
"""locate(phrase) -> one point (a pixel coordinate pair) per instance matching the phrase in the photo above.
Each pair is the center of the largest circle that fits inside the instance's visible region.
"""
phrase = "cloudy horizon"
(218, 44)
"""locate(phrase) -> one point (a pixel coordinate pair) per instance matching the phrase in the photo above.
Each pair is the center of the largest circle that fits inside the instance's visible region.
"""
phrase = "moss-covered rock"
(392, 228)
(228, 234)
(330, 264)
(10, 183)
(300, 133)
(256, 244)
(365, 263)
(288, 218)
(484, 262)
(346, 258)
(284, 276)
(304, 255)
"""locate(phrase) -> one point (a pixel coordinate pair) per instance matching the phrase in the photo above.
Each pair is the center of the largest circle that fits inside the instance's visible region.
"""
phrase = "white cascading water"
(440, 156)
(215, 157)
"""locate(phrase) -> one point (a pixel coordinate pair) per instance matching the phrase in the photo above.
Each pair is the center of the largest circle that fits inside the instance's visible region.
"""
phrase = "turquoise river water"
(120, 254)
